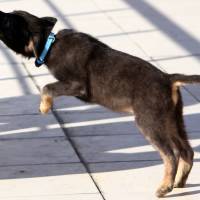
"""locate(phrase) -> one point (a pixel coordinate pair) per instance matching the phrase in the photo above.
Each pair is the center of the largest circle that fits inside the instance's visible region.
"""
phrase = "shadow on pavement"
(29, 139)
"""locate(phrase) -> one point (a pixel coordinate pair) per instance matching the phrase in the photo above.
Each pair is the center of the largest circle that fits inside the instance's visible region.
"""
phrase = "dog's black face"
(25, 33)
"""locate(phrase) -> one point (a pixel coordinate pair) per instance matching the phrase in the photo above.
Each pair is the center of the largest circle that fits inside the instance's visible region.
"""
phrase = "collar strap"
(41, 59)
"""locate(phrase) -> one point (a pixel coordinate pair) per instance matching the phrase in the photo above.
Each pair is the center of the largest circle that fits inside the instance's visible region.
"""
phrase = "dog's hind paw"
(162, 191)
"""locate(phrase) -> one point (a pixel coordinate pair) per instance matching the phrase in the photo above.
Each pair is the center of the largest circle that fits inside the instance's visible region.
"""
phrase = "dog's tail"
(181, 79)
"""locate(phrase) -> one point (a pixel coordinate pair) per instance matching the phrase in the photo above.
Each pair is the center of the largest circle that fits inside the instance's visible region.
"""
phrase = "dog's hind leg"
(184, 149)
(159, 133)
(184, 165)
(68, 88)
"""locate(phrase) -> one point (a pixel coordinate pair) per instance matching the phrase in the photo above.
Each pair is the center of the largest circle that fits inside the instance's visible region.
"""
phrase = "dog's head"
(24, 33)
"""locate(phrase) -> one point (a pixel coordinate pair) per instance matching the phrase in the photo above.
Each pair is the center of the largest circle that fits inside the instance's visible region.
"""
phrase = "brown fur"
(93, 72)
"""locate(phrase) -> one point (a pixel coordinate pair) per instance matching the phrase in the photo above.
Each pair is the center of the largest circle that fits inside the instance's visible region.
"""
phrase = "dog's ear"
(49, 21)
(39, 34)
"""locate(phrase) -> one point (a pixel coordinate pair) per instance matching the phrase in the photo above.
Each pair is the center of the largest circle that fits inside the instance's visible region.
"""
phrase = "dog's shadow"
(33, 145)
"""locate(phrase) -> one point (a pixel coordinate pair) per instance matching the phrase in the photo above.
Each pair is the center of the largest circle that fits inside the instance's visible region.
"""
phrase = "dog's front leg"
(68, 88)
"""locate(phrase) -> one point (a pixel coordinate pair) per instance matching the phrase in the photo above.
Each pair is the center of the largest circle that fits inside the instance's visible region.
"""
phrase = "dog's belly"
(128, 110)
(117, 104)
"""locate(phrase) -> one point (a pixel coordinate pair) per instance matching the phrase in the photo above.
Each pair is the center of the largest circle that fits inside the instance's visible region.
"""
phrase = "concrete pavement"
(86, 152)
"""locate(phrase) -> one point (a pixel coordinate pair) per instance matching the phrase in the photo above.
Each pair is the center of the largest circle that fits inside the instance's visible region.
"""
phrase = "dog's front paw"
(46, 104)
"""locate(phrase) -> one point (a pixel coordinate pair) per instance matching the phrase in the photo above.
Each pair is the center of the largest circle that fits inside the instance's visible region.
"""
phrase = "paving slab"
(12, 71)
(75, 7)
(121, 42)
(56, 181)
(117, 4)
(7, 56)
(139, 180)
(20, 105)
(60, 197)
(172, 30)
(117, 148)
(14, 80)
(147, 40)
(41, 75)
(131, 21)
(194, 90)
(186, 65)
(104, 128)
(9, 6)
(86, 23)
(36, 151)
(18, 87)
(177, 14)
(28, 126)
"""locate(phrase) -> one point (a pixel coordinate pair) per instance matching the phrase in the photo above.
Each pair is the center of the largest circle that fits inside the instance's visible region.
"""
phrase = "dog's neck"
(40, 59)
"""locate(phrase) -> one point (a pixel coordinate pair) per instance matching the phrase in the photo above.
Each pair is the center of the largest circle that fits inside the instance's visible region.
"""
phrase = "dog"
(93, 72)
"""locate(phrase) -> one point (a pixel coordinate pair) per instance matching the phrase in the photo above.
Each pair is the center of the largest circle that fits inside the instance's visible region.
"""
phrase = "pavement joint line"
(119, 26)
(189, 132)
(81, 112)
(81, 158)
(18, 114)
(126, 33)
(2, 1)
(9, 62)
(173, 57)
(60, 122)
(103, 135)
(23, 76)
(39, 164)
(195, 97)
(96, 12)
(33, 138)
(131, 161)
(123, 161)
(54, 195)
(88, 163)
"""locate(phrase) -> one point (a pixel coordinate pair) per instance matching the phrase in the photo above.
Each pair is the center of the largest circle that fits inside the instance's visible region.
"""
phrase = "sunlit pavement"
(86, 152)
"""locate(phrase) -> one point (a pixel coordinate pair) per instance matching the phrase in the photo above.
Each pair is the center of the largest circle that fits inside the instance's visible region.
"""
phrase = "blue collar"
(41, 59)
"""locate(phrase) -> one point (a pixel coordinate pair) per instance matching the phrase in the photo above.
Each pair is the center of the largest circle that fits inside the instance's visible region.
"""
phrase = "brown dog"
(93, 72)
